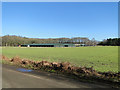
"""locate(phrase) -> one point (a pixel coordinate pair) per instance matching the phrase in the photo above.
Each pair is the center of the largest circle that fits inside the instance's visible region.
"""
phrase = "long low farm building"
(48, 45)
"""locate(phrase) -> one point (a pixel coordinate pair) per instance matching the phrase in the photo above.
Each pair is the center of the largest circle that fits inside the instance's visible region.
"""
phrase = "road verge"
(82, 73)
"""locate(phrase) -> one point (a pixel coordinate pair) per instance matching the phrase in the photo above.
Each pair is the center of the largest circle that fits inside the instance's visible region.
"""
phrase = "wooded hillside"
(13, 40)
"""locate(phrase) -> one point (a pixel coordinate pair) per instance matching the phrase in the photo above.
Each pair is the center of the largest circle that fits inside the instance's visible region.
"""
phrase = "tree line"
(110, 42)
(13, 40)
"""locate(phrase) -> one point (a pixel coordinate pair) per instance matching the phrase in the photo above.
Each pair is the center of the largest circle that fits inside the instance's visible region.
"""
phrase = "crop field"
(102, 58)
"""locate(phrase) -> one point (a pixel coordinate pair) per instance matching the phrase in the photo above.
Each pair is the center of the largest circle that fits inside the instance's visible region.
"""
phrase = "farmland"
(101, 58)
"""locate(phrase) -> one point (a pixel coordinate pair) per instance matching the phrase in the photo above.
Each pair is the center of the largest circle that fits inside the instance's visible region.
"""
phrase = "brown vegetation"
(66, 67)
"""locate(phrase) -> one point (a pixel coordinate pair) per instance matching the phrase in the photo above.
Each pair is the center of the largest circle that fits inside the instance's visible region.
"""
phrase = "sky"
(97, 20)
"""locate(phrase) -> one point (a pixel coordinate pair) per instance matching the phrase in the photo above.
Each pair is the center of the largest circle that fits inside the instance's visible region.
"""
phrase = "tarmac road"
(15, 77)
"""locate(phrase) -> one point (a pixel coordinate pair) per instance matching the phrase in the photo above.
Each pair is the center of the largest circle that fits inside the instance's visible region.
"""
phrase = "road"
(12, 77)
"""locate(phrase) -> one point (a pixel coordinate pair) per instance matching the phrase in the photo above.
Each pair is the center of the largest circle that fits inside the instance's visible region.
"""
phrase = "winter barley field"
(102, 58)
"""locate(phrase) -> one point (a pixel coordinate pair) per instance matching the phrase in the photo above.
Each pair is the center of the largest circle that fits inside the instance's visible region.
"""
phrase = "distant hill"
(13, 40)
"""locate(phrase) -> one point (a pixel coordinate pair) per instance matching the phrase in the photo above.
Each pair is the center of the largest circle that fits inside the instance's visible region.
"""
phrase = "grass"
(102, 59)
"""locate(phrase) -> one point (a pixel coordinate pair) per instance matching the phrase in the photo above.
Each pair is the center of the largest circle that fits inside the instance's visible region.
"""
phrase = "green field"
(101, 58)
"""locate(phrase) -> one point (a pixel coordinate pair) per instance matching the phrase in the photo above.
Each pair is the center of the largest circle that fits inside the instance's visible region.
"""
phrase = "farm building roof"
(49, 44)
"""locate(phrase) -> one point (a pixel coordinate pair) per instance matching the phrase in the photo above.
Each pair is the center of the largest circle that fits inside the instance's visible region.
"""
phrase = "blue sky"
(97, 20)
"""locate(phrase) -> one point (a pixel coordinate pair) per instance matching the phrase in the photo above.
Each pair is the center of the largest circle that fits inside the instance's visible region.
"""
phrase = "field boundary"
(65, 68)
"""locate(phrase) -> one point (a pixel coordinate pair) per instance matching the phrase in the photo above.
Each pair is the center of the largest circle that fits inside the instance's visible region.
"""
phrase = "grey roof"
(49, 44)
